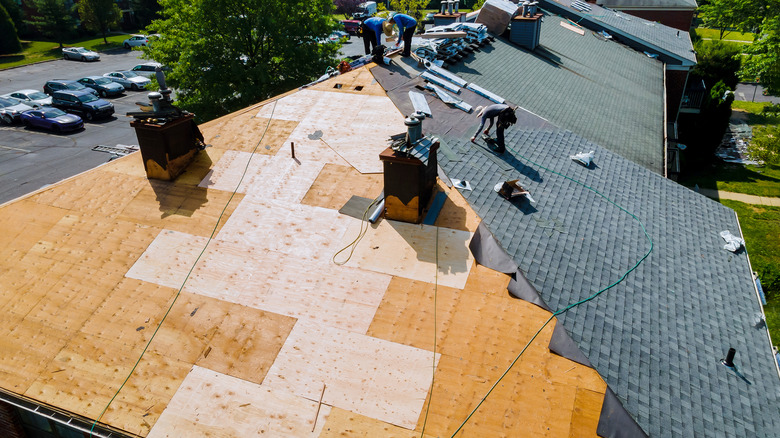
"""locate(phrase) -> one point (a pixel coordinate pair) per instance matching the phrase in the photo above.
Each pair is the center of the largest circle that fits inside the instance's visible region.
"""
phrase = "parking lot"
(32, 158)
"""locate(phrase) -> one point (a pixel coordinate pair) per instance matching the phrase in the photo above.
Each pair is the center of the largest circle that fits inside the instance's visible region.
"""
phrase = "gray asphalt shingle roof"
(599, 89)
(658, 336)
(656, 37)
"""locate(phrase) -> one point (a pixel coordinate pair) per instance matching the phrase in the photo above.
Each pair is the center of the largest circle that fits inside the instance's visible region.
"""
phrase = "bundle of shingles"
(458, 40)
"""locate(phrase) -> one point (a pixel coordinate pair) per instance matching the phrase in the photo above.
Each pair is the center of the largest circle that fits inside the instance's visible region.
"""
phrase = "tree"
(145, 11)
(717, 61)
(15, 11)
(227, 54)
(54, 20)
(99, 15)
(413, 8)
(10, 41)
(764, 62)
(347, 7)
(727, 15)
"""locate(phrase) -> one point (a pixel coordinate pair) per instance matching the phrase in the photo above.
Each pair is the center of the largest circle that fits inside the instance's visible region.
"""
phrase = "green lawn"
(761, 228)
(751, 180)
(37, 51)
(714, 34)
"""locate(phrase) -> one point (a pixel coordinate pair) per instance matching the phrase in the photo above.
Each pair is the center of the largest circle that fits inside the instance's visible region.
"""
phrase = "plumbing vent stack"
(729, 360)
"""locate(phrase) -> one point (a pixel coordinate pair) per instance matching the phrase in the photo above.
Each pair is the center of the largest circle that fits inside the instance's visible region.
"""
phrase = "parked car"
(32, 98)
(80, 53)
(63, 84)
(129, 80)
(146, 69)
(104, 86)
(10, 109)
(136, 41)
(83, 103)
(51, 118)
(351, 26)
(338, 36)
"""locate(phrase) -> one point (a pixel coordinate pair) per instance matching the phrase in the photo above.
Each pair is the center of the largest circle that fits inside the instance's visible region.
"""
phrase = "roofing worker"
(406, 26)
(372, 32)
(506, 118)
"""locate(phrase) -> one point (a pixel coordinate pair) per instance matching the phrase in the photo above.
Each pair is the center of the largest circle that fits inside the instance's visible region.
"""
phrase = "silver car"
(129, 80)
(33, 98)
(10, 109)
(80, 53)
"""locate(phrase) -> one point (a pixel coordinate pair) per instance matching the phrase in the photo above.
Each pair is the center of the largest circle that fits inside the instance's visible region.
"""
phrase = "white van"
(365, 10)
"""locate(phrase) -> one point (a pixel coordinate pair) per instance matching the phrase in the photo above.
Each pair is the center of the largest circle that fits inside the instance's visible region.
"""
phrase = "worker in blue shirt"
(406, 26)
(372, 32)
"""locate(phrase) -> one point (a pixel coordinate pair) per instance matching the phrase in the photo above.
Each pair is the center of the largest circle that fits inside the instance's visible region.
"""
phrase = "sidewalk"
(741, 197)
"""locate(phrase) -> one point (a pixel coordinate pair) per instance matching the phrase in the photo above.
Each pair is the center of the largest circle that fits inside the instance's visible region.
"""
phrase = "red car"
(351, 26)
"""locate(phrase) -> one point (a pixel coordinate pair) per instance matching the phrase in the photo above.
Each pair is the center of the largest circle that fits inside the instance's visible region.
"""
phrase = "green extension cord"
(570, 306)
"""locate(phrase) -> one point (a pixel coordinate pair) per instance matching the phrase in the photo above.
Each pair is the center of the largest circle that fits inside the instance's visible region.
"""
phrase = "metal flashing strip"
(419, 103)
(441, 82)
(450, 99)
(64, 419)
(485, 93)
(447, 75)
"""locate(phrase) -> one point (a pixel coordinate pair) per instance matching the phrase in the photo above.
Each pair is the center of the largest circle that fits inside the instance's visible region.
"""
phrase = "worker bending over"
(506, 118)
(406, 26)
(372, 32)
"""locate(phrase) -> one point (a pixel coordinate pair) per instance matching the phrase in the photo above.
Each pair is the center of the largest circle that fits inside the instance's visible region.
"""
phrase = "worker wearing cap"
(506, 118)
(372, 32)
(406, 26)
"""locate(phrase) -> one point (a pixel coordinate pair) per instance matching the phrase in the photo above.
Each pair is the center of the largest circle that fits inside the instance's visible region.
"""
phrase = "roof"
(650, 4)
(673, 46)
(658, 336)
(599, 89)
(269, 334)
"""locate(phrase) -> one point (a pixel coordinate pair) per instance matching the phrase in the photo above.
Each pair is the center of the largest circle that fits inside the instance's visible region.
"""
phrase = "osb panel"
(306, 232)
(98, 191)
(356, 126)
(369, 376)
(456, 213)
(358, 81)
(418, 252)
(74, 298)
(288, 285)
(525, 404)
(214, 405)
(133, 165)
(27, 347)
(143, 398)
(235, 167)
(336, 184)
(246, 343)
(130, 313)
(346, 424)
(245, 133)
(24, 223)
(28, 282)
(281, 177)
(189, 209)
(587, 410)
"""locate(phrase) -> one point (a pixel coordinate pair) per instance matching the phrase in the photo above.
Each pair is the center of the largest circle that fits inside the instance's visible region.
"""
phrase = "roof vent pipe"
(444, 6)
(729, 360)
(449, 6)
(414, 130)
(456, 5)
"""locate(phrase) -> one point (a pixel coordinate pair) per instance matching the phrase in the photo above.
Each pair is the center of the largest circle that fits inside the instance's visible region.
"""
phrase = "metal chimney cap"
(411, 121)
(154, 95)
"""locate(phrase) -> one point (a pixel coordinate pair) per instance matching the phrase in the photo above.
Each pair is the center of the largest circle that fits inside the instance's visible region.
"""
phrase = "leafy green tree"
(413, 8)
(145, 11)
(727, 15)
(10, 41)
(764, 60)
(99, 15)
(227, 54)
(717, 61)
(16, 13)
(55, 19)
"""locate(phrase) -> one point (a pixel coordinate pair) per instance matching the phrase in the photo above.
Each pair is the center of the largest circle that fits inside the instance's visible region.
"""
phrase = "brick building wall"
(10, 424)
